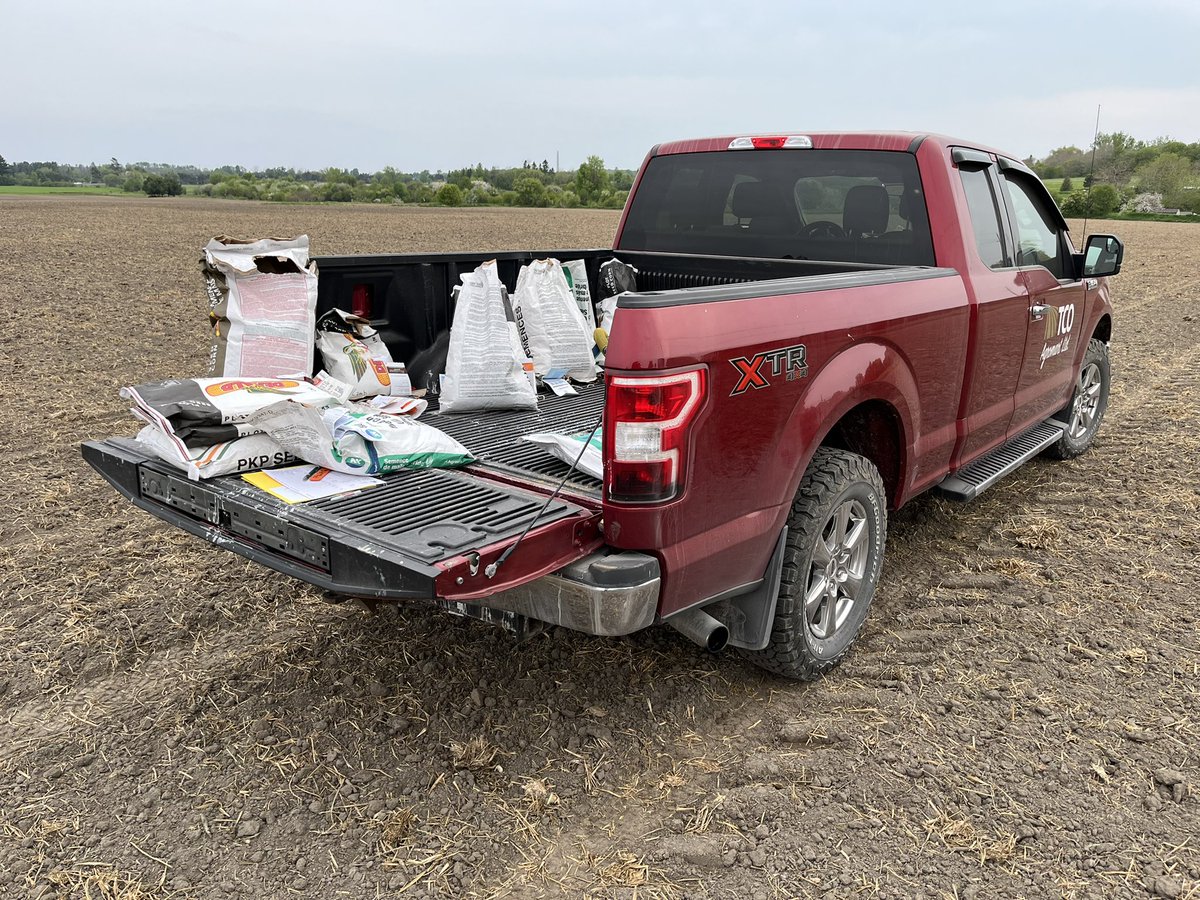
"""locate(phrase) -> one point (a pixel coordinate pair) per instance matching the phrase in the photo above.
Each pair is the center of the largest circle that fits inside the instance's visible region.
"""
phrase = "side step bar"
(972, 480)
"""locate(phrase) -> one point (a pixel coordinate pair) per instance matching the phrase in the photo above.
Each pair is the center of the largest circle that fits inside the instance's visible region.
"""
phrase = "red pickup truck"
(825, 326)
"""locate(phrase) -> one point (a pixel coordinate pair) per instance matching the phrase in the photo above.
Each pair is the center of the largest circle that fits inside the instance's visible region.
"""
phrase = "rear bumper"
(604, 594)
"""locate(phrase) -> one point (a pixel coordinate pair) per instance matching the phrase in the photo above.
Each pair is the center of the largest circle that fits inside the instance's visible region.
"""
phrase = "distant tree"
(1105, 200)
(1101, 200)
(530, 191)
(450, 195)
(336, 192)
(111, 179)
(166, 185)
(419, 192)
(1165, 174)
(1143, 203)
(1067, 186)
(591, 180)
(134, 182)
(5, 172)
(340, 176)
(622, 179)
(237, 187)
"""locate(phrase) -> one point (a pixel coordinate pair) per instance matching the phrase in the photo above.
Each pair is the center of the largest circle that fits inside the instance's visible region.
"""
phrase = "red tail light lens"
(646, 422)
(360, 300)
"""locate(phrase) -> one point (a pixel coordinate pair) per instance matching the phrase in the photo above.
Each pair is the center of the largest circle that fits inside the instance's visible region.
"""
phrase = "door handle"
(1037, 312)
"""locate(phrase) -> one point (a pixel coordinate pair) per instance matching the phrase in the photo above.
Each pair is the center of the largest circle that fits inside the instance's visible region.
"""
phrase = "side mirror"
(1102, 255)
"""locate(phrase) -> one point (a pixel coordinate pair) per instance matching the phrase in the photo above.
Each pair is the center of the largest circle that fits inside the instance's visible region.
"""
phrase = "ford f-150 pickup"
(824, 326)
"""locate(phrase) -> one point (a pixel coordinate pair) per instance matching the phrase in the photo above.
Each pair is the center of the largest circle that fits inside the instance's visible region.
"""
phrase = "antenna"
(1087, 206)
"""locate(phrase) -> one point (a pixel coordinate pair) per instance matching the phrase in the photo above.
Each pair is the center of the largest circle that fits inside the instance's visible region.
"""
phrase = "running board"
(972, 480)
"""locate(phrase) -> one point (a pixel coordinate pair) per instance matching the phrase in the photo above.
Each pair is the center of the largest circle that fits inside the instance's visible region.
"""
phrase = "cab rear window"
(863, 206)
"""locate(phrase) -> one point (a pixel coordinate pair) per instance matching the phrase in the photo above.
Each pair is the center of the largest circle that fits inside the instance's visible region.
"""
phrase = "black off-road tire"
(1084, 413)
(802, 645)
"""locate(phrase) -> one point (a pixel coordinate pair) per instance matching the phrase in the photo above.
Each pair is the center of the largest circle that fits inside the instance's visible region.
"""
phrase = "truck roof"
(830, 140)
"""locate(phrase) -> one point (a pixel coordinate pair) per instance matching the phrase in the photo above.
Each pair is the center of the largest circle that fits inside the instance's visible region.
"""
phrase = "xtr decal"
(791, 360)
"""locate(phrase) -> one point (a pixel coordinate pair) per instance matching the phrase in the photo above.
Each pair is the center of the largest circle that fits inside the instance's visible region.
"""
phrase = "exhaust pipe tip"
(702, 629)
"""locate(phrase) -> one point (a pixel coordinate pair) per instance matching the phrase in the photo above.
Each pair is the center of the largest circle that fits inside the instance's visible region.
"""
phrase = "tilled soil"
(1020, 718)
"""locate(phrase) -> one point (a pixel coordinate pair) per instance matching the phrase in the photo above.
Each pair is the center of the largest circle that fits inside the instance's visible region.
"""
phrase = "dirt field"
(1020, 719)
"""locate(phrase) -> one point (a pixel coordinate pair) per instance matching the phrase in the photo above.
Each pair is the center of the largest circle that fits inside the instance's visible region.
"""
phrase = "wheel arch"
(873, 430)
(1103, 329)
(862, 401)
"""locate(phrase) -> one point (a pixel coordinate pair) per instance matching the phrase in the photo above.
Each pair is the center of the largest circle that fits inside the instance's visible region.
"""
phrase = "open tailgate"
(422, 534)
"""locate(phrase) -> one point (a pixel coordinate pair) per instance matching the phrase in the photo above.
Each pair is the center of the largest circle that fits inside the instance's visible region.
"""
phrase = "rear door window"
(985, 217)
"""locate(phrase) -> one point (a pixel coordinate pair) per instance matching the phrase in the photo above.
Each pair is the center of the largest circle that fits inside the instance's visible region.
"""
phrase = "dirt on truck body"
(1020, 721)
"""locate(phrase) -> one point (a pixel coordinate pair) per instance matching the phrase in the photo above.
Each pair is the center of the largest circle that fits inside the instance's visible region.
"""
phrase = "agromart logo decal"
(758, 370)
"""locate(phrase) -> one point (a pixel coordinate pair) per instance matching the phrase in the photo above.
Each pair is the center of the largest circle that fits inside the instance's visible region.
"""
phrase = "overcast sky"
(440, 85)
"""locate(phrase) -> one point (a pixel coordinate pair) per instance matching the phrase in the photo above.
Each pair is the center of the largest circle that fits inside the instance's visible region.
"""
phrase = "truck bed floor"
(495, 437)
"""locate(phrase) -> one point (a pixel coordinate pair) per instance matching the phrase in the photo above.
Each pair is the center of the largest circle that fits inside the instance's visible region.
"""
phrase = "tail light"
(646, 423)
(360, 300)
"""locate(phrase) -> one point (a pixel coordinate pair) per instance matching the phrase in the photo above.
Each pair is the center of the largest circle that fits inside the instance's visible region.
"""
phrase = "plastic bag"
(552, 329)
(567, 447)
(262, 298)
(616, 277)
(357, 439)
(485, 365)
(243, 454)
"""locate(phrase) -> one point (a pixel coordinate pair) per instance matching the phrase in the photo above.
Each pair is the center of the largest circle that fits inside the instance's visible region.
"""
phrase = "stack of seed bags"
(200, 424)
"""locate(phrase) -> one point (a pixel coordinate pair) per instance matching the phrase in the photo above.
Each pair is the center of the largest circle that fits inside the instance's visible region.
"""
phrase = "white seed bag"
(357, 326)
(243, 454)
(351, 362)
(485, 361)
(550, 324)
(356, 439)
(262, 298)
(575, 271)
(355, 354)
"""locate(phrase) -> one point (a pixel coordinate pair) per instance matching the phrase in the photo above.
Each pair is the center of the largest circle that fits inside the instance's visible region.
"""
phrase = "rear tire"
(1083, 415)
(832, 559)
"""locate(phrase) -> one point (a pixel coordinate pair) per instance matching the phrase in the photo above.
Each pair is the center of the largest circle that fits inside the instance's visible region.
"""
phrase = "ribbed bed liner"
(430, 514)
(495, 437)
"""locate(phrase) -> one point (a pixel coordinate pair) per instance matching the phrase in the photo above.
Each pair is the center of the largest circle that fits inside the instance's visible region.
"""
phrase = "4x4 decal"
(791, 360)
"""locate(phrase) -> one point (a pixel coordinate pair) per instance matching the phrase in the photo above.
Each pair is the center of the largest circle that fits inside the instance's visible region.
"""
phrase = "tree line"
(530, 184)
(1128, 174)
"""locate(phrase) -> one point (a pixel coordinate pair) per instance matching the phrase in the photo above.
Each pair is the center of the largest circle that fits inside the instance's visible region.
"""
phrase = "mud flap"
(749, 617)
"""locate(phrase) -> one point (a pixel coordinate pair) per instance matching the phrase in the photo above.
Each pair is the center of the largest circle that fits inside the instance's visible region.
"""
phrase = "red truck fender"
(872, 376)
